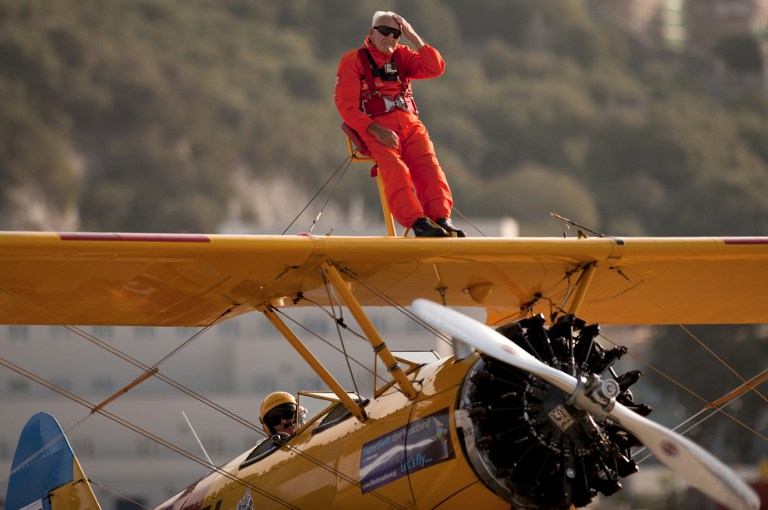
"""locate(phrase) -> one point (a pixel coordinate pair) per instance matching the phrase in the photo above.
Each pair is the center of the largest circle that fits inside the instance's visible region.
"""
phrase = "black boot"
(425, 228)
(448, 227)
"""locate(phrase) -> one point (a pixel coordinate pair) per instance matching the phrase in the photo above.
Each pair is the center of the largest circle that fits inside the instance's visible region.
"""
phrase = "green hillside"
(173, 115)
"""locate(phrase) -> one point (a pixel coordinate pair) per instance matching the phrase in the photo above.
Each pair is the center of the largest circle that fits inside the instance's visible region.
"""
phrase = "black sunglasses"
(387, 31)
(276, 416)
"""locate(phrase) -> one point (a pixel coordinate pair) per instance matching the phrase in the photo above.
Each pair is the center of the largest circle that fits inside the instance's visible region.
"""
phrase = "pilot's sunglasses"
(387, 31)
(276, 417)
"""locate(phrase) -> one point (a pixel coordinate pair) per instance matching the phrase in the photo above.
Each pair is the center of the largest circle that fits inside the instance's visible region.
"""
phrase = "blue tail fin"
(45, 474)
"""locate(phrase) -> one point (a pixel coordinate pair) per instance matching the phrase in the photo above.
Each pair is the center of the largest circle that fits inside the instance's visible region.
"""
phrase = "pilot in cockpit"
(281, 416)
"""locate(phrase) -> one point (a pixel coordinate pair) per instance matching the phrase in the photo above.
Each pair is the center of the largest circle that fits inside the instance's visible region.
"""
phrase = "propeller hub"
(609, 389)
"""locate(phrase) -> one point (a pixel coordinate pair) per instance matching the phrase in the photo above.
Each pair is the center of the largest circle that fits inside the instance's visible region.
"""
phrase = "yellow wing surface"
(194, 280)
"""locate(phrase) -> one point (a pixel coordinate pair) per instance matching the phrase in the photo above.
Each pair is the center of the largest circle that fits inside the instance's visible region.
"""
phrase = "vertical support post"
(355, 157)
(379, 347)
(388, 219)
(583, 286)
(315, 364)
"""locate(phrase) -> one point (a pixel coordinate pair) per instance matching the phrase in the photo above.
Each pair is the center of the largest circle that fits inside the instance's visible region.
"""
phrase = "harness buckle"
(399, 103)
(384, 104)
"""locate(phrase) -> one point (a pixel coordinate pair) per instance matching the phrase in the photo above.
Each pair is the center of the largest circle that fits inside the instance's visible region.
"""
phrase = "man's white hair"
(381, 14)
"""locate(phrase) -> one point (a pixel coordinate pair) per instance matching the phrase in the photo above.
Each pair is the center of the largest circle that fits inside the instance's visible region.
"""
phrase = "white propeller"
(697, 466)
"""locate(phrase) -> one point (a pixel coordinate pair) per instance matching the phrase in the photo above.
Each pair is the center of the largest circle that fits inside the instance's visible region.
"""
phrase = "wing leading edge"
(194, 280)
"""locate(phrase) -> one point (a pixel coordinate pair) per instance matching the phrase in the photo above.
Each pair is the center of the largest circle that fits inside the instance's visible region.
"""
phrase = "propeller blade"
(697, 466)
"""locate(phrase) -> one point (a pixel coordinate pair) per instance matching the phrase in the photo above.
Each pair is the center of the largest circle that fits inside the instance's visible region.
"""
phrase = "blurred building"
(730, 37)
(711, 21)
(698, 24)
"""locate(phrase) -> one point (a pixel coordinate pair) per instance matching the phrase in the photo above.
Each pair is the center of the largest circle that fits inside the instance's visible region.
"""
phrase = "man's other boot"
(425, 228)
(447, 225)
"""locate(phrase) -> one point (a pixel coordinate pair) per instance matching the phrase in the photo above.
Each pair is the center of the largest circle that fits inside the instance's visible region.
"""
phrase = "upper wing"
(194, 280)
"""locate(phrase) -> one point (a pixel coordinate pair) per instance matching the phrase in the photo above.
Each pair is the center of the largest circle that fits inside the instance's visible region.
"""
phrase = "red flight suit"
(413, 165)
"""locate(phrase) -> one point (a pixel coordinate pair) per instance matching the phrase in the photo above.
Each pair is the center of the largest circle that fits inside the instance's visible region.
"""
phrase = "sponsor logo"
(419, 445)
(670, 449)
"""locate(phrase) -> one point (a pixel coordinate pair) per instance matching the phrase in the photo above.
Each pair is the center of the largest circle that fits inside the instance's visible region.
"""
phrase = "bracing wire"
(118, 494)
(343, 167)
(329, 344)
(455, 210)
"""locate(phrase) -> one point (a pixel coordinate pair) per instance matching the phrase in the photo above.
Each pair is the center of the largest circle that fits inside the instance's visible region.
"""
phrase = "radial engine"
(524, 437)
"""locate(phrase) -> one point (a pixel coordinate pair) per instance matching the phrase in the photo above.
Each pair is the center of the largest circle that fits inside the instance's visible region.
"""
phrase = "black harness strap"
(366, 59)
(364, 56)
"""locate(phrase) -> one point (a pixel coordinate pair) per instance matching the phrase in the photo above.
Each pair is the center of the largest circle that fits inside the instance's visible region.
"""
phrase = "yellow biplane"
(531, 417)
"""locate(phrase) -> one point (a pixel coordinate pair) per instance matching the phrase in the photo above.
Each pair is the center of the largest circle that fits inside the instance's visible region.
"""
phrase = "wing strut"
(315, 364)
(379, 347)
(582, 286)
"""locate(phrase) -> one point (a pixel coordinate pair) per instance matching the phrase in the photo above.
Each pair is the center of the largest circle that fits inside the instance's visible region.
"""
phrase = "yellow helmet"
(272, 402)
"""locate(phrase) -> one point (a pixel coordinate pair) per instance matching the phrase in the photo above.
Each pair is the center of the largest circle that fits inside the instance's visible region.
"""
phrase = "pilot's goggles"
(387, 31)
(276, 416)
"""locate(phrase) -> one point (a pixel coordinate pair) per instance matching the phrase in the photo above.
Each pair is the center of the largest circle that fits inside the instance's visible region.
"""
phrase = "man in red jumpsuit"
(374, 98)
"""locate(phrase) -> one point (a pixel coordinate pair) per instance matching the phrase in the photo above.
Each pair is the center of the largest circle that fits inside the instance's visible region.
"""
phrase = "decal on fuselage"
(418, 445)
(247, 502)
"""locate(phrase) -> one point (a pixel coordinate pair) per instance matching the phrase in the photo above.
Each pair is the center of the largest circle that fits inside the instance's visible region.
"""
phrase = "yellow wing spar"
(194, 280)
